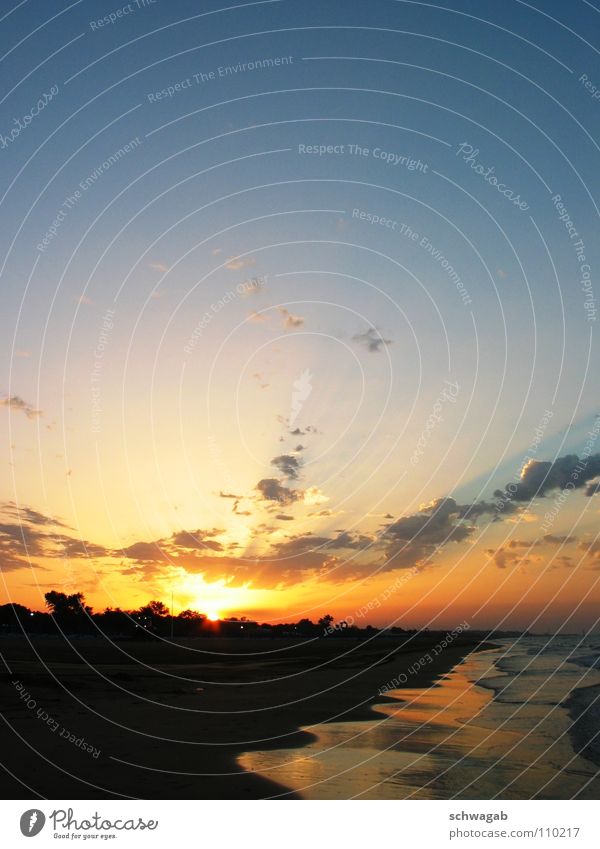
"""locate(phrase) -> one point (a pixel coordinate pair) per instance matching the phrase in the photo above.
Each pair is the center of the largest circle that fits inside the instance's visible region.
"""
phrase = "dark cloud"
(22, 540)
(272, 490)
(197, 539)
(299, 432)
(552, 539)
(435, 523)
(31, 536)
(522, 543)
(539, 477)
(288, 465)
(142, 551)
(27, 514)
(236, 503)
(487, 508)
(181, 548)
(299, 545)
(8, 563)
(372, 340)
(283, 517)
(70, 547)
(413, 540)
(351, 541)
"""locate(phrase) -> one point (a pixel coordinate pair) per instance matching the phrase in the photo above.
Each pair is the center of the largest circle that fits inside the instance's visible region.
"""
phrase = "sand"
(153, 720)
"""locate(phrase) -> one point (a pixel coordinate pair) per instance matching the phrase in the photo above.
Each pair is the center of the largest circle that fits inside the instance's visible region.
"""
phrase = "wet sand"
(170, 721)
(452, 740)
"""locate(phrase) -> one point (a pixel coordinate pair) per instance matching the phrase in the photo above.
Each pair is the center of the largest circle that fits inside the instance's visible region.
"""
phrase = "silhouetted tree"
(70, 612)
(157, 608)
(191, 616)
(61, 604)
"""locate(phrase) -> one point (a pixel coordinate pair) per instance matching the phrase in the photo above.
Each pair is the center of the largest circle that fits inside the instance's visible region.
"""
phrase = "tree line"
(69, 614)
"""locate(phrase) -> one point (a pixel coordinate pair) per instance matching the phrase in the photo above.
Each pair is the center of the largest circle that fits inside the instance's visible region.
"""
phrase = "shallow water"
(507, 723)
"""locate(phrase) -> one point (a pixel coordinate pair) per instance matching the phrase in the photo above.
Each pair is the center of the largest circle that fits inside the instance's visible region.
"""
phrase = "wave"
(583, 707)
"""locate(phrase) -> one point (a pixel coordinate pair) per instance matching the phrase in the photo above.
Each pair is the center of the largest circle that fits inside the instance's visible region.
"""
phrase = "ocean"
(520, 721)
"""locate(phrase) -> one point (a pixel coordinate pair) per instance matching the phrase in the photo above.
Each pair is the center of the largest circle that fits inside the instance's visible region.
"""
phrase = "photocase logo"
(32, 822)
(302, 389)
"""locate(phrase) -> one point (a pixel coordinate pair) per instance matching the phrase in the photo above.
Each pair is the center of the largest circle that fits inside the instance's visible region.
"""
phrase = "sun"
(213, 615)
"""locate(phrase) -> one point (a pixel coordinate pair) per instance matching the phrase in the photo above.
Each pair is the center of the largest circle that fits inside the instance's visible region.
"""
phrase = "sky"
(299, 308)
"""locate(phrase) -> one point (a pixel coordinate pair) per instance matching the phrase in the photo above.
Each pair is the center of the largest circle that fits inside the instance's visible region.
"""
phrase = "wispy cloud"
(289, 320)
(372, 340)
(236, 263)
(258, 317)
(15, 402)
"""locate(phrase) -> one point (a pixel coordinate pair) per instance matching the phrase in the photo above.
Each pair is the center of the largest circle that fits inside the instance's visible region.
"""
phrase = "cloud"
(289, 320)
(182, 548)
(506, 556)
(539, 477)
(564, 560)
(197, 539)
(20, 540)
(434, 523)
(552, 539)
(410, 541)
(15, 402)
(308, 429)
(258, 317)
(499, 556)
(260, 380)
(236, 263)
(31, 535)
(413, 540)
(372, 340)
(592, 548)
(29, 515)
(313, 496)
(522, 543)
(288, 465)
(272, 490)
(79, 548)
(159, 266)
(487, 508)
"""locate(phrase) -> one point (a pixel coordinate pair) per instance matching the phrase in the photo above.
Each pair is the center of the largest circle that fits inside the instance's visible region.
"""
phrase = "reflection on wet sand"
(450, 740)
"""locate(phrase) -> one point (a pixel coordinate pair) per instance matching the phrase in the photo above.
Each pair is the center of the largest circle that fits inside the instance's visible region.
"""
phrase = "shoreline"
(176, 730)
(424, 679)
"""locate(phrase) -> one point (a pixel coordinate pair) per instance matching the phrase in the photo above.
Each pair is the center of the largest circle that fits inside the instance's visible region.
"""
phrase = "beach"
(91, 719)
(519, 721)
